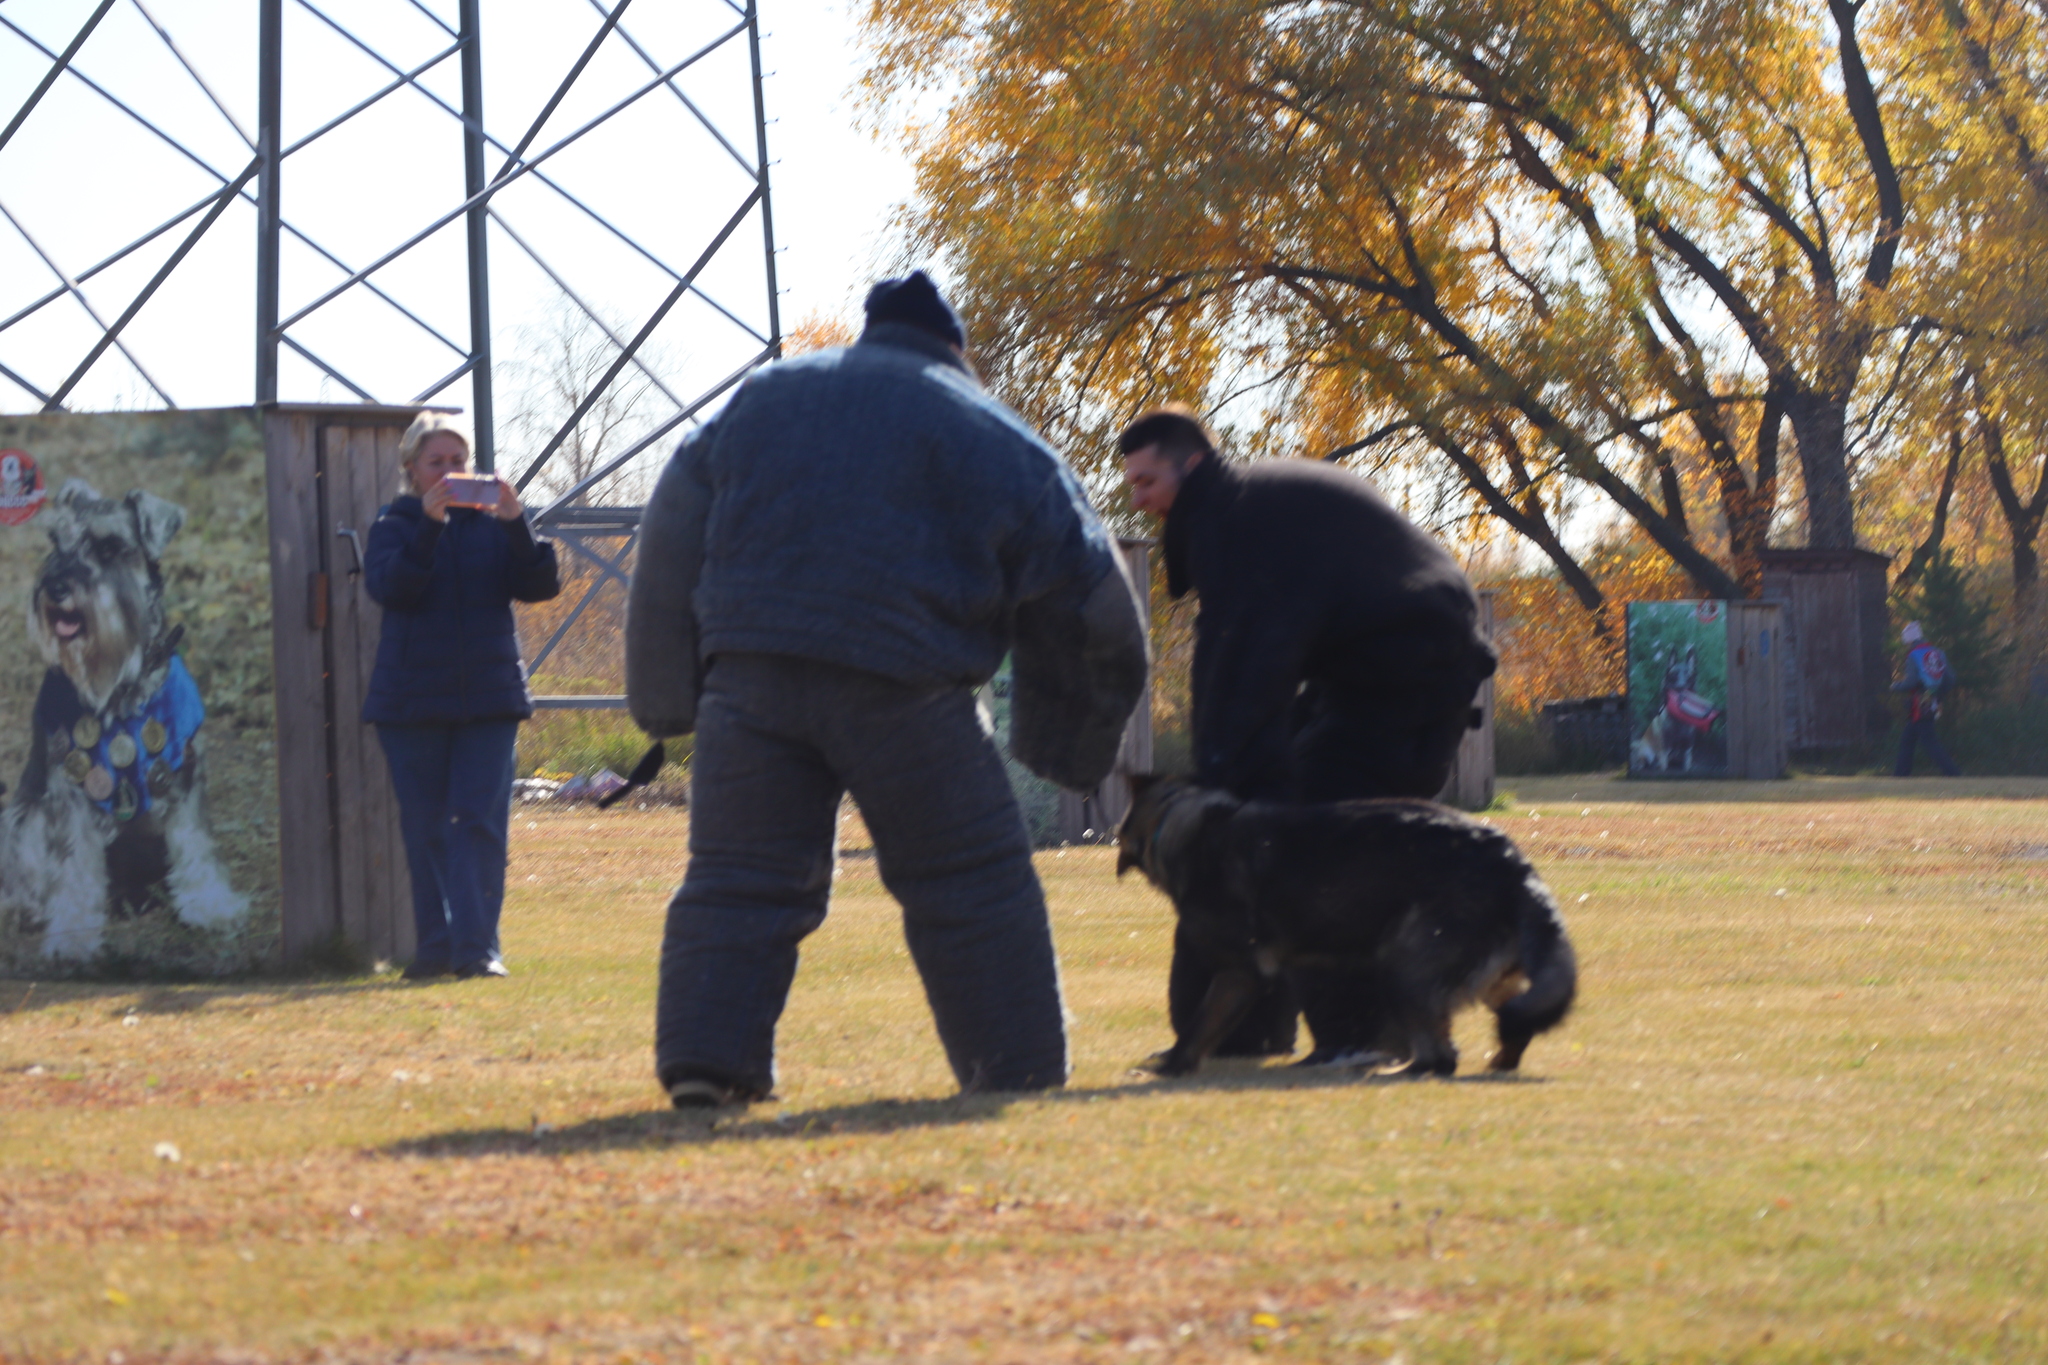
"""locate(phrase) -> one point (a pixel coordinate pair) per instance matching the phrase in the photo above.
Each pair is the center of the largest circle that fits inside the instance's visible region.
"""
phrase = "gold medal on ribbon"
(86, 732)
(125, 801)
(77, 764)
(154, 736)
(99, 783)
(121, 750)
(159, 780)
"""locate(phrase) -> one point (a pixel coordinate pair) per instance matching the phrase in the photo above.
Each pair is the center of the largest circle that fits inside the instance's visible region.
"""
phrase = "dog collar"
(124, 763)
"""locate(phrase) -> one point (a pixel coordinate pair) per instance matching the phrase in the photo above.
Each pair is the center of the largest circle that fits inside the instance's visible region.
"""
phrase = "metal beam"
(85, 303)
(193, 72)
(674, 295)
(553, 184)
(226, 197)
(618, 462)
(59, 65)
(336, 375)
(577, 299)
(761, 160)
(611, 21)
(645, 56)
(24, 385)
(483, 415)
(494, 187)
(269, 214)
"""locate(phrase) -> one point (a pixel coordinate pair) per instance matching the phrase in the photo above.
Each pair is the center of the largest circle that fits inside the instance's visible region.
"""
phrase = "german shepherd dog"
(1427, 909)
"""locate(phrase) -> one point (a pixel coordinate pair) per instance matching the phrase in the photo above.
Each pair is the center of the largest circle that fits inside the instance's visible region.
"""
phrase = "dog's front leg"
(1230, 997)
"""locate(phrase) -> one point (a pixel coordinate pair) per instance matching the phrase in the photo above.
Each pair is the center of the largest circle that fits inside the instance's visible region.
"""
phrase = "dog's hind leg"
(1431, 1051)
(1231, 992)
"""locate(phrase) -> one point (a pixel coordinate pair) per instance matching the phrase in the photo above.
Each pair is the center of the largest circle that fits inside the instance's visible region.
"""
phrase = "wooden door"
(345, 881)
(1756, 691)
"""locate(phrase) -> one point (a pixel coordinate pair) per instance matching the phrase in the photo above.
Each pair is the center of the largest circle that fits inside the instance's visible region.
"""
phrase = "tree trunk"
(1821, 426)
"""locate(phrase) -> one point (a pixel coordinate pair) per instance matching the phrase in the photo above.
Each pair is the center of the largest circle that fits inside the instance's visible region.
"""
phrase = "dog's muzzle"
(65, 623)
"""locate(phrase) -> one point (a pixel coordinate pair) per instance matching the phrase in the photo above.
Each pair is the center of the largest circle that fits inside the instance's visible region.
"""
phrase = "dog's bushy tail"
(1553, 971)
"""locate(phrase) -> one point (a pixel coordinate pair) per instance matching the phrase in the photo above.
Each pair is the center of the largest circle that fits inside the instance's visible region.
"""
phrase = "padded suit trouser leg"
(778, 741)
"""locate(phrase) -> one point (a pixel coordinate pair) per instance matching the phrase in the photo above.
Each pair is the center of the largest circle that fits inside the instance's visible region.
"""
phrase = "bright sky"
(81, 179)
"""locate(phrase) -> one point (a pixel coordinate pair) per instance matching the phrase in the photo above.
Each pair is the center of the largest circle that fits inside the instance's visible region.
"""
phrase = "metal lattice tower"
(619, 176)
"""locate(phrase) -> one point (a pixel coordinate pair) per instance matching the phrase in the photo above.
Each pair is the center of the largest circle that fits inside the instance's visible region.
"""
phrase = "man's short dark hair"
(1174, 429)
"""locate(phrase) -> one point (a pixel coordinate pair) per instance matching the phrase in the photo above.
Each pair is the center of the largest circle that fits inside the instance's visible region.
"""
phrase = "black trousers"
(1339, 749)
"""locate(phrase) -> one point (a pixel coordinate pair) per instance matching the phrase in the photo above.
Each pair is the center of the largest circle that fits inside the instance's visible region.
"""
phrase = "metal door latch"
(355, 542)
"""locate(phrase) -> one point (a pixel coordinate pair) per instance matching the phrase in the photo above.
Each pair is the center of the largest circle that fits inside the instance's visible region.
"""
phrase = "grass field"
(1800, 1115)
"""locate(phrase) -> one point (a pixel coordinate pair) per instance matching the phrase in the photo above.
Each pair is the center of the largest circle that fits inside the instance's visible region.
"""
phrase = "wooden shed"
(1834, 627)
(330, 467)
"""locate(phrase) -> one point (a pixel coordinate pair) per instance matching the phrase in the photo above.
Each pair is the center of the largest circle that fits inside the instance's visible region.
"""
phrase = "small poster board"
(139, 830)
(1705, 690)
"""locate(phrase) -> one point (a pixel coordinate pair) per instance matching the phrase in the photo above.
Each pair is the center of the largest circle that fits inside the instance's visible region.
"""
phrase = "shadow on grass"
(670, 1128)
(1611, 787)
(153, 997)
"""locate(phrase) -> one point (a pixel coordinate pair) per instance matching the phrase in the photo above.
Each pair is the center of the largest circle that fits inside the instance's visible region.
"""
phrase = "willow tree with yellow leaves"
(1639, 258)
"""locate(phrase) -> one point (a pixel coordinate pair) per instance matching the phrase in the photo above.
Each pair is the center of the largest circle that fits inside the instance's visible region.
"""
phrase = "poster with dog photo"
(138, 826)
(1678, 689)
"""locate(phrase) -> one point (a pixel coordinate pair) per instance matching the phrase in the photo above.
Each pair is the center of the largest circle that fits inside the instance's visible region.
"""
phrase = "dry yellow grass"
(1800, 1116)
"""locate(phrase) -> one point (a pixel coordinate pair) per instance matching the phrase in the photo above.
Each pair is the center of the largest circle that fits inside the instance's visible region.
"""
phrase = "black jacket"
(1307, 575)
(449, 650)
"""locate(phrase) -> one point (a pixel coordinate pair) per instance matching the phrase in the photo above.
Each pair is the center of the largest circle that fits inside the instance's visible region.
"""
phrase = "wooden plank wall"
(360, 468)
(1835, 631)
(1756, 691)
(298, 657)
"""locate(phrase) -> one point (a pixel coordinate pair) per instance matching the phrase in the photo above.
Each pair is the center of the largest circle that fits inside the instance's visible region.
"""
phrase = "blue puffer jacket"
(449, 652)
(872, 507)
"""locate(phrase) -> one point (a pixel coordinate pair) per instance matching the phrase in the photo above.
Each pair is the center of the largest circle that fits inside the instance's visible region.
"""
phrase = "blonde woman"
(448, 691)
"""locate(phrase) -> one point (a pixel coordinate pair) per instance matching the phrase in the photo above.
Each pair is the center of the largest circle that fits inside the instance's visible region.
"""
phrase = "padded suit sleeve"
(663, 673)
(1080, 649)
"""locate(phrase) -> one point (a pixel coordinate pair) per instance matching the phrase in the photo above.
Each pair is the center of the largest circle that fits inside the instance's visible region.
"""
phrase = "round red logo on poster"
(21, 487)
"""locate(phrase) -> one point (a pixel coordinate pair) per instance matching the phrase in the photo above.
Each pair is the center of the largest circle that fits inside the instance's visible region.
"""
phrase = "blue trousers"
(779, 741)
(1922, 731)
(454, 787)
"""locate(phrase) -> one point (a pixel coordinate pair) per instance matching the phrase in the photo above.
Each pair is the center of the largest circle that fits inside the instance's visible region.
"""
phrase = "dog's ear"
(72, 501)
(77, 496)
(156, 521)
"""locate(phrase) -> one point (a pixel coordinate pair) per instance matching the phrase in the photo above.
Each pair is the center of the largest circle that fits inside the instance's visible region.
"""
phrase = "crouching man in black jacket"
(1337, 654)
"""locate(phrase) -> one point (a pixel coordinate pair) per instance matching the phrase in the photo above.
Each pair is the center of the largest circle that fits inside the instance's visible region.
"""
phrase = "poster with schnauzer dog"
(138, 824)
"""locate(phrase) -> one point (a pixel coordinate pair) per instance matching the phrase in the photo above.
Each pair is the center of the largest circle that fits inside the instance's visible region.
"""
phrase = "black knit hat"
(915, 300)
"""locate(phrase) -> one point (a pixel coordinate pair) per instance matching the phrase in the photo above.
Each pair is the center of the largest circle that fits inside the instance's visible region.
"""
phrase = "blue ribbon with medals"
(126, 763)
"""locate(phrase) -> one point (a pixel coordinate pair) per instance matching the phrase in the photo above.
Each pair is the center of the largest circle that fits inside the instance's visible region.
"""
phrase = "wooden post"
(1472, 780)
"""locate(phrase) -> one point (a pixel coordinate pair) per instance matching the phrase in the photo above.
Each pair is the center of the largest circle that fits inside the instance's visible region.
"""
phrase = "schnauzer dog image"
(1421, 909)
(109, 820)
